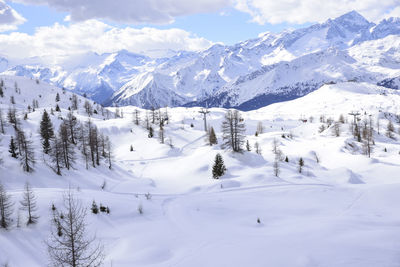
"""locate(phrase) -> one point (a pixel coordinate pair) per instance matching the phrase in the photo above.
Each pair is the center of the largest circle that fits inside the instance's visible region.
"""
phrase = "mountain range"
(248, 75)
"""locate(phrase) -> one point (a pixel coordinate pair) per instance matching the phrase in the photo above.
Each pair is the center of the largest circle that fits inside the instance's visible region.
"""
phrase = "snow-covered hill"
(340, 211)
(248, 75)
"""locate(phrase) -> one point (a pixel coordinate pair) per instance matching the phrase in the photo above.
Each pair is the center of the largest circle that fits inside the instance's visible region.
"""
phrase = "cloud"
(303, 11)
(60, 41)
(131, 11)
(9, 18)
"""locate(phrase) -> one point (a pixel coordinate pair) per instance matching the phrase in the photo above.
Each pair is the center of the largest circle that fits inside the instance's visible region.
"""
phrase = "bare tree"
(67, 147)
(68, 244)
(336, 129)
(257, 148)
(390, 130)
(276, 166)
(56, 154)
(74, 102)
(260, 128)
(6, 208)
(137, 117)
(27, 154)
(28, 203)
(233, 129)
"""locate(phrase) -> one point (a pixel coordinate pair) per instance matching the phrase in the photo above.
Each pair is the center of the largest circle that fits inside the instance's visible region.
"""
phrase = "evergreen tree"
(58, 108)
(219, 168)
(212, 138)
(46, 131)
(28, 203)
(13, 148)
(94, 208)
(57, 98)
(6, 208)
(301, 165)
(151, 132)
(1, 90)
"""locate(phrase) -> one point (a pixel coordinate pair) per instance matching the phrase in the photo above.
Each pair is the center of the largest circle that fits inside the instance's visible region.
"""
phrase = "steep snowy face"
(386, 27)
(288, 80)
(250, 74)
(213, 77)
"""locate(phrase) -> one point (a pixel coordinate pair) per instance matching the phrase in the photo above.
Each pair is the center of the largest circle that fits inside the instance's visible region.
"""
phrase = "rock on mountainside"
(248, 75)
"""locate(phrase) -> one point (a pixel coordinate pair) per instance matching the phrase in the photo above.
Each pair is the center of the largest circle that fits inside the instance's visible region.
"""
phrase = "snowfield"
(342, 210)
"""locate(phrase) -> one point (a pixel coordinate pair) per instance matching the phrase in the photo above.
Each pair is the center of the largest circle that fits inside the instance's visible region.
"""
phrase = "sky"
(56, 29)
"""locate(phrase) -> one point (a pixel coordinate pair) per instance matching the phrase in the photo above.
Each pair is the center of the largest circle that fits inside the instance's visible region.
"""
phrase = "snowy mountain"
(247, 75)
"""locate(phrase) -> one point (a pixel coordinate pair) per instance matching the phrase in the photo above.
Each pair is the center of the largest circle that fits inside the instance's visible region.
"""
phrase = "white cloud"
(131, 11)
(59, 41)
(9, 18)
(302, 11)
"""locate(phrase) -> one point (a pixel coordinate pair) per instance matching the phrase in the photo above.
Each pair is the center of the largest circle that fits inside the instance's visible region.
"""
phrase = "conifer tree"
(151, 132)
(46, 131)
(13, 148)
(58, 108)
(390, 130)
(28, 203)
(301, 165)
(137, 117)
(6, 208)
(67, 148)
(212, 138)
(233, 129)
(219, 168)
(57, 98)
(1, 122)
(69, 244)
(56, 154)
(26, 152)
(1, 90)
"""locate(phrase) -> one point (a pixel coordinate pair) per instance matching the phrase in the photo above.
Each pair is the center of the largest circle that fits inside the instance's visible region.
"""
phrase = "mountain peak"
(352, 18)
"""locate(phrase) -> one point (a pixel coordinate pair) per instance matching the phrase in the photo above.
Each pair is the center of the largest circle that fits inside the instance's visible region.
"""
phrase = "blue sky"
(38, 28)
(229, 27)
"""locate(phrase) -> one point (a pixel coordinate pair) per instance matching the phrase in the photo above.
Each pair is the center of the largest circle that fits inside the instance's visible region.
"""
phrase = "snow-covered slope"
(248, 75)
(340, 211)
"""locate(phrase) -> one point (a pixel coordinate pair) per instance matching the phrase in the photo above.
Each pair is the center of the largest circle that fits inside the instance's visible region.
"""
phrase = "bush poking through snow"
(140, 209)
(94, 208)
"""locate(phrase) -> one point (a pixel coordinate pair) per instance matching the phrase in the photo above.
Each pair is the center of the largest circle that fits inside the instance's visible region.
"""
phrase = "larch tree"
(69, 243)
(26, 151)
(2, 123)
(6, 208)
(28, 203)
(233, 129)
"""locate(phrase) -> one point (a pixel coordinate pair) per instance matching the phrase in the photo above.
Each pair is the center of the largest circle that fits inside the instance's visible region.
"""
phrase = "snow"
(341, 211)
(125, 78)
